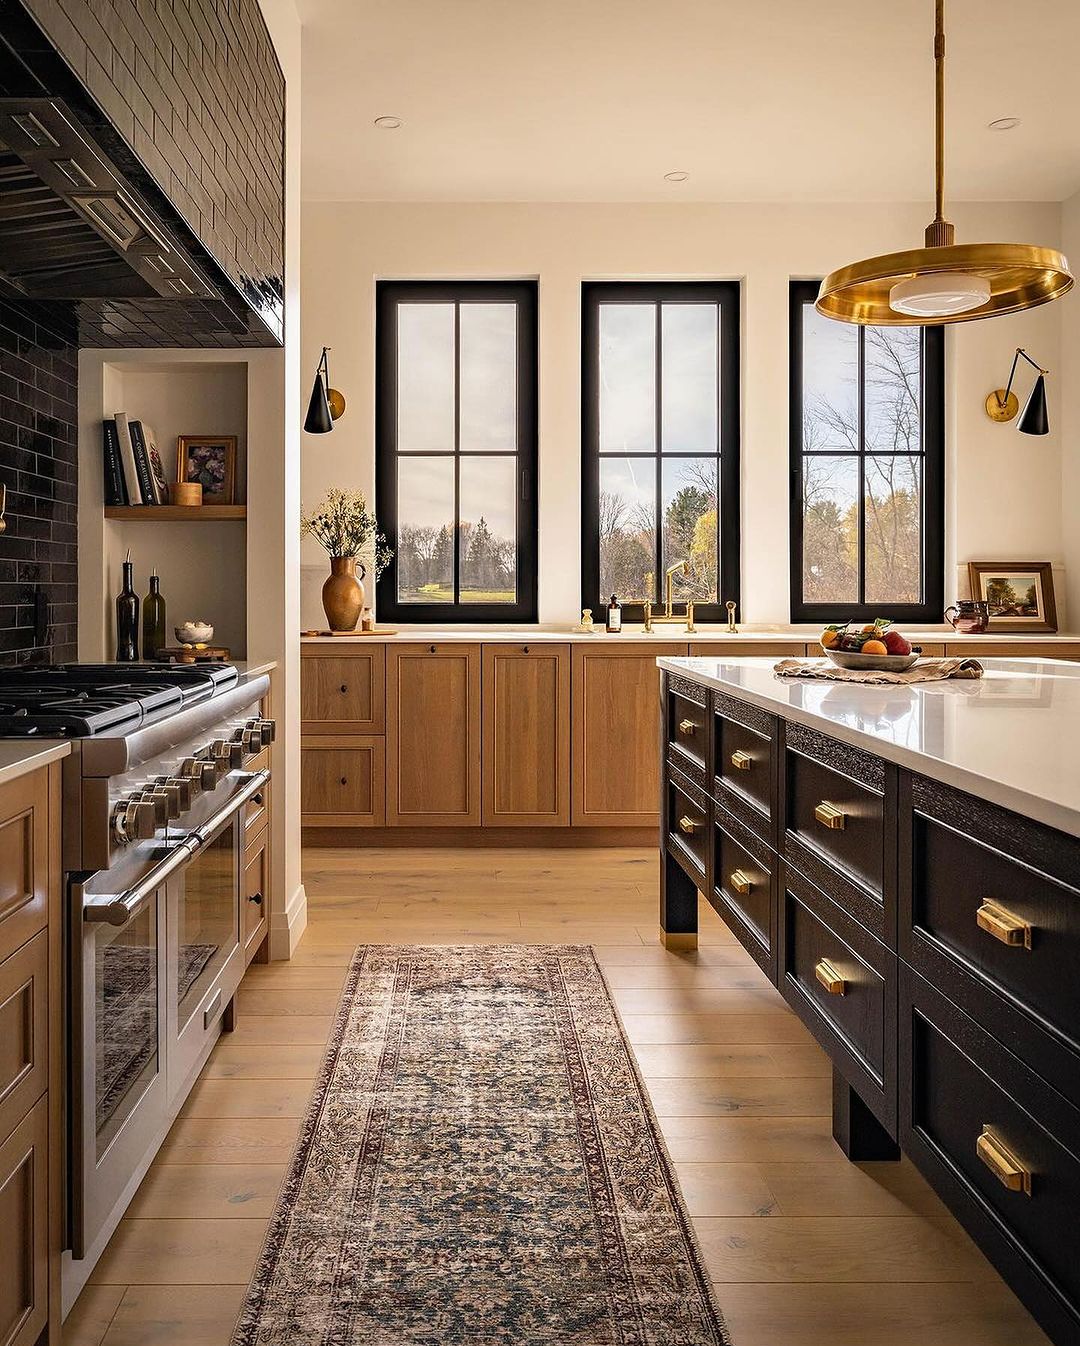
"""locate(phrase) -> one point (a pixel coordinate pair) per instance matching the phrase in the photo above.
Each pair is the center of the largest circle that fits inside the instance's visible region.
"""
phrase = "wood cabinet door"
(526, 735)
(433, 735)
(616, 733)
(24, 1030)
(342, 782)
(24, 1214)
(255, 894)
(342, 689)
(24, 859)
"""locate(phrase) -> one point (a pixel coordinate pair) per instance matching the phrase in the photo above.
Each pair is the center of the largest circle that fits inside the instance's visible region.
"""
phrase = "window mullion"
(658, 449)
(861, 514)
(457, 454)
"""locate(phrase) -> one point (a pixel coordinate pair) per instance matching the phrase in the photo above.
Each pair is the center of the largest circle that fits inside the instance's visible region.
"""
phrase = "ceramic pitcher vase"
(343, 594)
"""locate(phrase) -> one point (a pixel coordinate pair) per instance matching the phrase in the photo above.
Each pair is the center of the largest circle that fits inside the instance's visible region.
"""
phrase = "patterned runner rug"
(479, 1164)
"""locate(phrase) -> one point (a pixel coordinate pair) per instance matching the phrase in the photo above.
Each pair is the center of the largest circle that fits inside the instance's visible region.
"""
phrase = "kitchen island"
(904, 864)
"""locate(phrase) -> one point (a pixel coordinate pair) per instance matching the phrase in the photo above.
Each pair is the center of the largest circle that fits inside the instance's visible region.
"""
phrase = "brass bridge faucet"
(669, 615)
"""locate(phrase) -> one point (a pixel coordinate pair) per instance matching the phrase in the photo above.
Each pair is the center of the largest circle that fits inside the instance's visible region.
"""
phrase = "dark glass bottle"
(127, 619)
(614, 615)
(153, 620)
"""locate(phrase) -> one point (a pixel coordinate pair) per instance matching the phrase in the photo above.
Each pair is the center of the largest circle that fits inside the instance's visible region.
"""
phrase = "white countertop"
(1011, 736)
(496, 634)
(19, 756)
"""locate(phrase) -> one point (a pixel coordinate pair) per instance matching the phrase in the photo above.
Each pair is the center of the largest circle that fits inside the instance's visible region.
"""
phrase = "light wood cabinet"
(342, 782)
(433, 735)
(616, 745)
(24, 1029)
(24, 859)
(744, 649)
(255, 894)
(526, 735)
(342, 692)
(24, 1219)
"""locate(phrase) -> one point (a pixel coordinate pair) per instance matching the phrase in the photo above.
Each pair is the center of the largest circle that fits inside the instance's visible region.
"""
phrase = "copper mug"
(970, 616)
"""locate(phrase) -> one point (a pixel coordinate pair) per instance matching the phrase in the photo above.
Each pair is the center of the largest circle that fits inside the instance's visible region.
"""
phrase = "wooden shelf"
(165, 513)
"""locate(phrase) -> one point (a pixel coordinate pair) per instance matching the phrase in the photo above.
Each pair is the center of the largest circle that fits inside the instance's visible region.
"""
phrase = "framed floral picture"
(1018, 594)
(211, 461)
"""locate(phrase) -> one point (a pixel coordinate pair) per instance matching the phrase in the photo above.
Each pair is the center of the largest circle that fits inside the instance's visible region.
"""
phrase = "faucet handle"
(732, 628)
(690, 627)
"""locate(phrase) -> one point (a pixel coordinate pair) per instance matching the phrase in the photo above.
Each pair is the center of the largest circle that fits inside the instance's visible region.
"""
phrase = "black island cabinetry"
(930, 940)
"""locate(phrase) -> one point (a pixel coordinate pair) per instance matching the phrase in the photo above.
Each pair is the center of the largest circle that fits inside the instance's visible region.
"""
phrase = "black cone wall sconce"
(326, 404)
(1002, 404)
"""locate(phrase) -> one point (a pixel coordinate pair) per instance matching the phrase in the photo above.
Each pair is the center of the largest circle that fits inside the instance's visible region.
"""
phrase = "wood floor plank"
(652, 1029)
(798, 1096)
(245, 1060)
(89, 1319)
(877, 1314)
(181, 1252)
(851, 1248)
(278, 1000)
(230, 1140)
(701, 1000)
(707, 1060)
(167, 1315)
(247, 1098)
(809, 1189)
(282, 1030)
(207, 1191)
(736, 975)
(751, 1139)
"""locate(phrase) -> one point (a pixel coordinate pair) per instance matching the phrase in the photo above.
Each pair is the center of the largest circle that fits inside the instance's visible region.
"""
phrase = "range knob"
(266, 728)
(132, 820)
(179, 788)
(226, 755)
(252, 739)
(160, 802)
(200, 771)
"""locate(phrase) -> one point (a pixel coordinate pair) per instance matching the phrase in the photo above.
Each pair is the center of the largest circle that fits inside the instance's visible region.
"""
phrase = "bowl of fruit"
(876, 645)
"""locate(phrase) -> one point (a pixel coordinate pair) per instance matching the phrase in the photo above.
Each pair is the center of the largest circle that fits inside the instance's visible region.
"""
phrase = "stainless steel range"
(155, 794)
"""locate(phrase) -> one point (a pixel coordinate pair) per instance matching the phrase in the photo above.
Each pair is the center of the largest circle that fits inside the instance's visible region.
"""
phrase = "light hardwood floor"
(805, 1248)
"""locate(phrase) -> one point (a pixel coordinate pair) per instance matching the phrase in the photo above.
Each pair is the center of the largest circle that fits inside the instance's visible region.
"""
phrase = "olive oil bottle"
(153, 622)
(127, 617)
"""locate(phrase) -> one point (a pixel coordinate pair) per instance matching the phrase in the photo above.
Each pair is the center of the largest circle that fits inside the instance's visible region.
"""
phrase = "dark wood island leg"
(678, 907)
(855, 1128)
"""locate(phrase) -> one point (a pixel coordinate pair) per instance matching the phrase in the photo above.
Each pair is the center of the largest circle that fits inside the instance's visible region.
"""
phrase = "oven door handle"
(253, 783)
(120, 909)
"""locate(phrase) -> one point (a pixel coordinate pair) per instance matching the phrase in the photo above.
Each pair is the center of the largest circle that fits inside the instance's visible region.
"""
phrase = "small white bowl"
(879, 663)
(194, 633)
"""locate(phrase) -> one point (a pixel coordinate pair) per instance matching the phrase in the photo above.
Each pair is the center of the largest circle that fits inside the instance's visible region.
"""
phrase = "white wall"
(1068, 383)
(1005, 491)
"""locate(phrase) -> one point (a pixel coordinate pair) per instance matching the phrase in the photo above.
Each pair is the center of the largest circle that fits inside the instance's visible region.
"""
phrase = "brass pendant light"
(944, 281)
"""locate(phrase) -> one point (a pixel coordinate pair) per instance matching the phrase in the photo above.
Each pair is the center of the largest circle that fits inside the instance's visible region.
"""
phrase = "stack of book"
(133, 471)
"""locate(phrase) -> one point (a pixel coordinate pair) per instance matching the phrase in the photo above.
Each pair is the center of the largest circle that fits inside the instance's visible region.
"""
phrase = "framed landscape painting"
(1018, 594)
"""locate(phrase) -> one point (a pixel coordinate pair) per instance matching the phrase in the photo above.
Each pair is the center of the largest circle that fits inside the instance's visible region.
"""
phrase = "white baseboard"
(287, 927)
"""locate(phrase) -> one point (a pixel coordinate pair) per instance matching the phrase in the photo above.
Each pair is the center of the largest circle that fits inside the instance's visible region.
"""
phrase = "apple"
(895, 642)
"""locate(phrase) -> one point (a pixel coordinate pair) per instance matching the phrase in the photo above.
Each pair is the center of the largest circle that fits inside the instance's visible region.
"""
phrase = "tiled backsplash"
(38, 465)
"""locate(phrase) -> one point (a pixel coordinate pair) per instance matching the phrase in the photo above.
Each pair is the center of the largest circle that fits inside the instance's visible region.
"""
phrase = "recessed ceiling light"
(388, 123)
(1005, 124)
(677, 176)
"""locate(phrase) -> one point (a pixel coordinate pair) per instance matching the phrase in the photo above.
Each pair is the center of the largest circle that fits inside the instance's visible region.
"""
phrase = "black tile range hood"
(85, 227)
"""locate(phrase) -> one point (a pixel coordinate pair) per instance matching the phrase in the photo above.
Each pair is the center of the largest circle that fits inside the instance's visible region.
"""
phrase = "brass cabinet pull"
(998, 921)
(1002, 1162)
(740, 881)
(741, 761)
(687, 825)
(829, 977)
(687, 727)
(828, 815)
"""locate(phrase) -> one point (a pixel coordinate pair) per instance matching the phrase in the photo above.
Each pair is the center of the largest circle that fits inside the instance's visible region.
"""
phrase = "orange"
(829, 639)
(874, 647)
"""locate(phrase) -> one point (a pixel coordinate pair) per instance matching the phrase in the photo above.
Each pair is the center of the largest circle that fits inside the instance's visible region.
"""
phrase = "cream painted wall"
(1068, 384)
(1004, 492)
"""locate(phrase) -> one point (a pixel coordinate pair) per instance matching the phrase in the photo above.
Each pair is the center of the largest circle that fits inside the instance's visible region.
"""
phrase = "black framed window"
(660, 443)
(867, 468)
(455, 449)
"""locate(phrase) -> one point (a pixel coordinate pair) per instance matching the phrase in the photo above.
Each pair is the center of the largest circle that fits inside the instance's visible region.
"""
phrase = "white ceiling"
(766, 100)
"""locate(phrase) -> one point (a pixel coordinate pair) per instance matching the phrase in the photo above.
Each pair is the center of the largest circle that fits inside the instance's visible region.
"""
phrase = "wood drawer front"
(744, 763)
(24, 1030)
(855, 1020)
(24, 1206)
(24, 859)
(821, 773)
(255, 893)
(687, 721)
(957, 1081)
(688, 826)
(739, 858)
(342, 786)
(257, 809)
(343, 691)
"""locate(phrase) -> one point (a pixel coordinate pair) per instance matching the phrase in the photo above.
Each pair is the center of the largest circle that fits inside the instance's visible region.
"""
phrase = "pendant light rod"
(939, 233)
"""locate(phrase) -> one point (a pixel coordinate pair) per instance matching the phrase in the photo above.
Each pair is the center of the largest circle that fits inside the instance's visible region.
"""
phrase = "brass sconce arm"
(1002, 404)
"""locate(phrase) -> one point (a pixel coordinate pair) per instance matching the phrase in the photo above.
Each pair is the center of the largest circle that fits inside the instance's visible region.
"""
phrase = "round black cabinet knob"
(344, 780)
(256, 898)
(344, 688)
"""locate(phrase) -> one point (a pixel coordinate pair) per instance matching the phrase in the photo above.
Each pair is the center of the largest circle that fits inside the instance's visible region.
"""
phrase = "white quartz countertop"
(750, 636)
(1011, 737)
(20, 756)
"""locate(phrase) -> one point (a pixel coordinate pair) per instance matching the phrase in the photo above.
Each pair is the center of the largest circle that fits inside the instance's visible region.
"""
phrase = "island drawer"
(999, 1144)
(744, 763)
(687, 815)
(990, 909)
(687, 720)
(842, 984)
(836, 824)
(743, 890)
